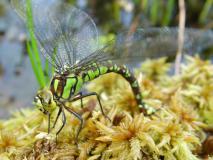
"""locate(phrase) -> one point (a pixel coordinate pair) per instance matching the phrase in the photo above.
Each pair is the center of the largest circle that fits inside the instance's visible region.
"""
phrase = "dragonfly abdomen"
(95, 70)
(125, 73)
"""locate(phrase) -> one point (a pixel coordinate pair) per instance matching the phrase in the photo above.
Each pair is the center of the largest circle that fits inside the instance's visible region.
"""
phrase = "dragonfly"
(69, 40)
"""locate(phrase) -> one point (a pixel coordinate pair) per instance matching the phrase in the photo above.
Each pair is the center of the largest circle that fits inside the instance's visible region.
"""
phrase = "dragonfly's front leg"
(79, 96)
(60, 109)
(59, 112)
(63, 121)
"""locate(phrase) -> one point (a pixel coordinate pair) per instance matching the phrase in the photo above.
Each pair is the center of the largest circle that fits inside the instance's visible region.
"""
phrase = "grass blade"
(33, 48)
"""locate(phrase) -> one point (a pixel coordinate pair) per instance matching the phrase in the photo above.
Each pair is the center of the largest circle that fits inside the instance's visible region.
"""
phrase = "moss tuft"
(176, 131)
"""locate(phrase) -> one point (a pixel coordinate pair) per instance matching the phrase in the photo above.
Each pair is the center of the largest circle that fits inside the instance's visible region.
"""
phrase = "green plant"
(206, 10)
(33, 51)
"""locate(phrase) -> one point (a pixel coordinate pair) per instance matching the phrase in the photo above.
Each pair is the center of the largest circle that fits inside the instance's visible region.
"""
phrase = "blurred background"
(18, 84)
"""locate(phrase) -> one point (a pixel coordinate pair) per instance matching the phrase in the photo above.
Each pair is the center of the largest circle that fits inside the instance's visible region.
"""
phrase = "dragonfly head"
(44, 101)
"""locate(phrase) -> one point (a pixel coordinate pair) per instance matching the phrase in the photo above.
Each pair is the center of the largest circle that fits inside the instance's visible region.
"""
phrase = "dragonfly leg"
(63, 122)
(99, 101)
(77, 116)
(59, 112)
(77, 98)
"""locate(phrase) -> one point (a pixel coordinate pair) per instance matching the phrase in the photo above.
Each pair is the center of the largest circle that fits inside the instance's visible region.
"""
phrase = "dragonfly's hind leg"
(77, 97)
(77, 116)
(99, 101)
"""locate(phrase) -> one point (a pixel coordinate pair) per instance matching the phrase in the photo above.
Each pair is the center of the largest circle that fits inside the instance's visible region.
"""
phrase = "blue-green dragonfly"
(68, 38)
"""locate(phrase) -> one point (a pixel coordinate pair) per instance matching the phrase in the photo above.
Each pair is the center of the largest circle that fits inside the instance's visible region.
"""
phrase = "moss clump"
(176, 131)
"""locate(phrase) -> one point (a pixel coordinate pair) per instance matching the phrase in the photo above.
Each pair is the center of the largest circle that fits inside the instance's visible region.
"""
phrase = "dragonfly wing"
(66, 35)
(159, 42)
(149, 44)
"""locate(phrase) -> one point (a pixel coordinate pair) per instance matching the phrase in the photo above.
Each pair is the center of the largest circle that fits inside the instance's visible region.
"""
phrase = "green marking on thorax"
(67, 88)
(56, 84)
(71, 82)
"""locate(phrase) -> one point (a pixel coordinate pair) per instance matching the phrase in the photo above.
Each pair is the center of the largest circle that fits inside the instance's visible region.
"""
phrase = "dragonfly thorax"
(65, 86)
(64, 70)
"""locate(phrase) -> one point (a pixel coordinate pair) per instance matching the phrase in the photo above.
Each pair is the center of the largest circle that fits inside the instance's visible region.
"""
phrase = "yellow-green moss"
(175, 132)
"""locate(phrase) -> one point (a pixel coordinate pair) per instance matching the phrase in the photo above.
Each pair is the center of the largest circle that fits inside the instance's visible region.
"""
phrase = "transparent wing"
(158, 42)
(66, 35)
(149, 43)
